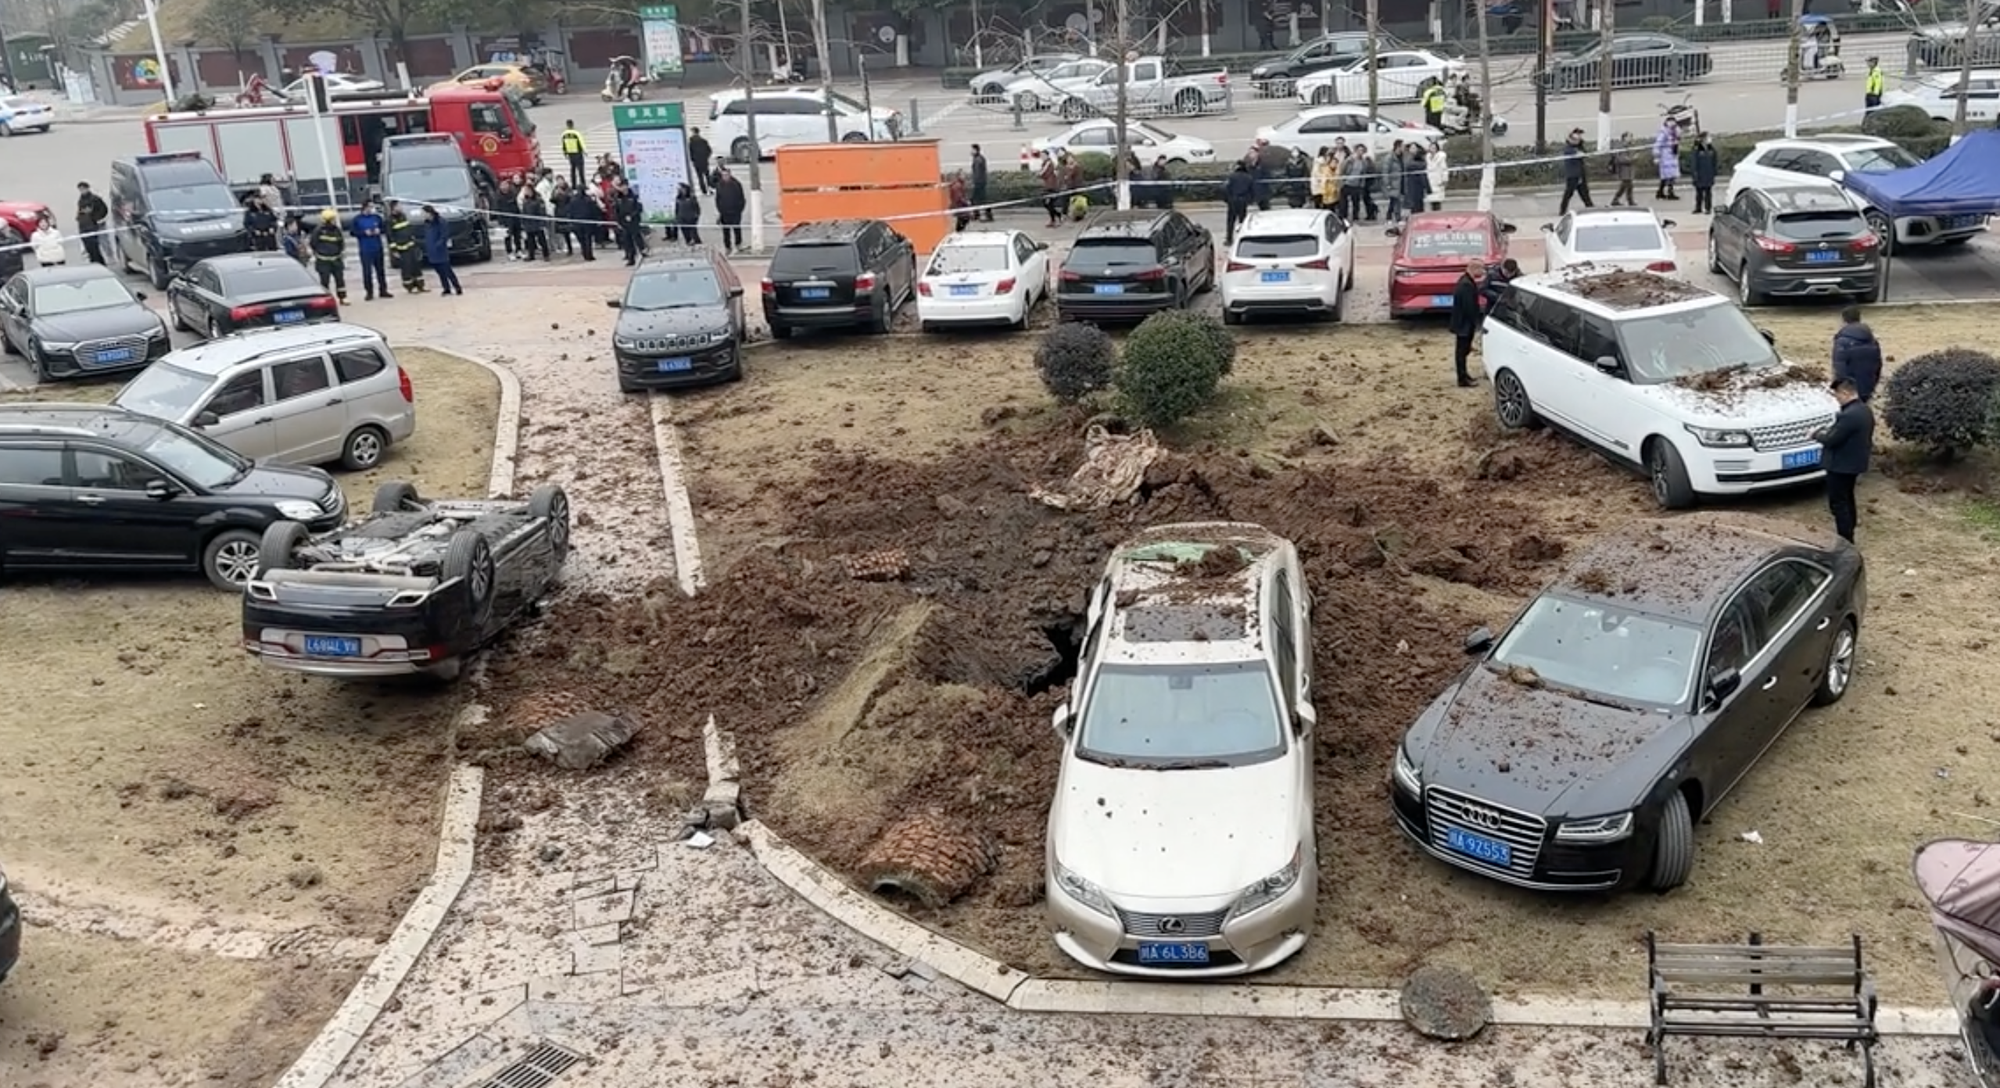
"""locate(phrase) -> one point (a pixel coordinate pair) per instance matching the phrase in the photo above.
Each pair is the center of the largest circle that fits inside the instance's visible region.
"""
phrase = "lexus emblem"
(1482, 817)
(1172, 925)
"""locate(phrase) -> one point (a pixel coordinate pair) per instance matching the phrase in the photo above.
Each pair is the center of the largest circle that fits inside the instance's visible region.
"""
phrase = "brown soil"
(1622, 290)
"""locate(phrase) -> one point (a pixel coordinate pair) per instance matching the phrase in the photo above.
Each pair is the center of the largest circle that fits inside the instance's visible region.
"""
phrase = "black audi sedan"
(1582, 746)
(227, 294)
(680, 322)
(77, 320)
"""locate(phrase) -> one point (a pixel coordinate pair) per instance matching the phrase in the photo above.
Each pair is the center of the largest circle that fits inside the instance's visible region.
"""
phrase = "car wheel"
(781, 332)
(879, 322)
(1026, 102)
(175, 319)
(1339, 312)
(364, 449)
(1673, 848)
(1676, 73)
(740, 149)
(1511, 405)
(1839, 672)
(159, 274)
(215, 329)
(1884, 229)
(1746, 288)
(551, 502)
(1189, 103)
(1231, 317)
(1714, 256)
(281, 541)
(36, 364)
(6, 130)
(1072, 110)
(992, 90)
(394, 497)
(1322, 96)
(447, 671)
(1669, 476)
(468, 559)
(230, 558)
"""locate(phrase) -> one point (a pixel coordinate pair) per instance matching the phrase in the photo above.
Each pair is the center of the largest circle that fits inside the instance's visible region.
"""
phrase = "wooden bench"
(1755, 990)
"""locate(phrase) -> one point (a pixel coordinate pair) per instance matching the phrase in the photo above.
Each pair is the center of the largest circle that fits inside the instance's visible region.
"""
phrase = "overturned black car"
(415, 588)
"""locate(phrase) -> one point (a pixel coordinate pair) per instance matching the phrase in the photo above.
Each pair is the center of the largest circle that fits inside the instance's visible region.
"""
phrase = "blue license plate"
(1110, 288)
(1441, 300)
(1155, 952)
(286, 317)
(330, 646)
(1802, 458)
(115, 355)
(1823, 256)
(1961, 222)
(966, 289)
(670, 365)
(815, 292)
(1492, 851)
(1275, 277)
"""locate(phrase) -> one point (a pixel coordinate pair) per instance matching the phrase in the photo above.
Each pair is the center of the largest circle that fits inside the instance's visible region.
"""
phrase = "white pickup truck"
(1153, 85)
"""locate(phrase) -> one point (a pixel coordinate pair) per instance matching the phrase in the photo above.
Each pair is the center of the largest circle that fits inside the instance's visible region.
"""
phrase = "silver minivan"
(308, 395)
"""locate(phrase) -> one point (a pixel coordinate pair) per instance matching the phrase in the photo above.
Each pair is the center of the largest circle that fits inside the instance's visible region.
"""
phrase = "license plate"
(669, 365)
(330, 646)
(1156, 952)
(968, 289)
(815, 292)
(115, 355)
(1802, 458)
(1110, 288)
(1488, 850)
(1441, 300)
(286, 317)
(1823, 256)
(1961, 222)
(1275, 277)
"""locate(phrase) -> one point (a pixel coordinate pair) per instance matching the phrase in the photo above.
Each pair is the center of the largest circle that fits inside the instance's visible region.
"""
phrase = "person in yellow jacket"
(1871, 91)
(1326, 179)
(572, 145)
(1434, 106)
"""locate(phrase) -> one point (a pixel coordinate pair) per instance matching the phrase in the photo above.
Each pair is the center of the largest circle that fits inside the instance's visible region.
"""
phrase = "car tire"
(1322, 96)
(280, 542)
(1885, 229)
(1026, 102)
(740, 149)
(364, 449)
(230, 558)
(1511, 406)
(781, 332)
(175, 319)
(1673, 845)
(552, 502)
(1838, 674)
(215, 329)
(6, 131)
(1714, 256)
(36, 365)
(469, 559)
(394, 497)
(445, 672)
(1189, 103)
(1746, 288)
(879, 323)
(1338, 315)
(158, 274)
(1668, 475)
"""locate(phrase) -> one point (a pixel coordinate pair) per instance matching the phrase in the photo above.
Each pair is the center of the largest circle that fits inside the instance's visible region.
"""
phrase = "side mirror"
(1041, 247)
(1607, 364)
(1723, 681)
(1548, 228)
(161, 490)
(1059, 721)
(141, 295)
(1304, 718)
(736, 291)
(1838, 175)
(614, 303)
(207, 419)
(1770, 337)
(1479, 641)
(1508, 228)
(1666, 223)
(1394, 232)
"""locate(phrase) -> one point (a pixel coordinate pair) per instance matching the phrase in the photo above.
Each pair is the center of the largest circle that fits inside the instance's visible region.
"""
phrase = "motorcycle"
(1961, 881)
(1463, 120)
(633, 86)
(1819, 49)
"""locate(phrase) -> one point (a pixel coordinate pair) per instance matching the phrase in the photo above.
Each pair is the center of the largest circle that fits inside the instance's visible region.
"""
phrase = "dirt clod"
(1445, 1003)
(1622, 290)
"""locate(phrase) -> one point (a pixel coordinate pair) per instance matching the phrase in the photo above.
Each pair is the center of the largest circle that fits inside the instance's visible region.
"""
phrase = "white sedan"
(19, 113)
(1041, 90)
(336, 83)
(1288, 262)
(1400, 76)
(1633, 239)
(1319, 126)
(987, 277)
(1100, 136)
(1938, 94)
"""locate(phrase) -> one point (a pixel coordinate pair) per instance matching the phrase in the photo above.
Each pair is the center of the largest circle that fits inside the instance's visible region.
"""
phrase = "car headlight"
(1083, 891)
(1268, 890)
(1405, 773)
(722, 337)
(298, 510)
(1597, 829)
(1725, 439)
(58, 346)
(627, 345)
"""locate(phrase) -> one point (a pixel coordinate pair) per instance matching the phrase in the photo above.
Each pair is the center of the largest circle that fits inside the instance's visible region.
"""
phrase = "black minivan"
(428, 170)
(839, 273)
(169, 211)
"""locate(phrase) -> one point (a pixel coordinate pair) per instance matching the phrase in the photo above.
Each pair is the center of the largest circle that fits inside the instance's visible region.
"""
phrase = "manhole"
(538, 1070)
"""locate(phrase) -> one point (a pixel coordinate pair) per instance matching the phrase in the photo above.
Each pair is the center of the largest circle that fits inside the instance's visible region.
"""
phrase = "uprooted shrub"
(1171, 366)
(1943, 400)
(1075, 360)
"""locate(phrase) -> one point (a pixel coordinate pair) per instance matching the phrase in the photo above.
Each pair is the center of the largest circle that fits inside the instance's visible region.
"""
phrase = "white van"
(793, 115)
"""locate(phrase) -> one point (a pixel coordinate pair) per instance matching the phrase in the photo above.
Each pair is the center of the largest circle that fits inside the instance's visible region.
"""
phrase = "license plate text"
(1186, 952)
(1491, 851)
(329, 646)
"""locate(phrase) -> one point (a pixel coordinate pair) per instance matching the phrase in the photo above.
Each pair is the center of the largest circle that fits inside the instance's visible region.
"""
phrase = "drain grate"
(538, 1070)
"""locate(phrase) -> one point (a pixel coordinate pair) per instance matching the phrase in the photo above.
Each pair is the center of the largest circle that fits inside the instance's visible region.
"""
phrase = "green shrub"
(1171, 366)
(1075, 361)
(1903, 123)
(1943, 400)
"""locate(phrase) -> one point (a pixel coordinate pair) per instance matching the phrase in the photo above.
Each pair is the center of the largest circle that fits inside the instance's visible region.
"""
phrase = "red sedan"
(21, 215)
(1432, 252)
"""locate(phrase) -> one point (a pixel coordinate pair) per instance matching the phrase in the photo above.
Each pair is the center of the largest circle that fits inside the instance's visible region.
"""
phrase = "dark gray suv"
(1795, 241)
(679, 323)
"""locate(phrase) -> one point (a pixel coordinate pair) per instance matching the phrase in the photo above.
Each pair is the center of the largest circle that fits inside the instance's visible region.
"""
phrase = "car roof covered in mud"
(1613, 291)
(1682, 568)
(1175, 587)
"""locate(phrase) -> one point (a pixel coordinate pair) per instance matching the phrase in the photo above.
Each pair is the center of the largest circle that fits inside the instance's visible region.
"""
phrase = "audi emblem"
(1482, 817)
(1172, 925)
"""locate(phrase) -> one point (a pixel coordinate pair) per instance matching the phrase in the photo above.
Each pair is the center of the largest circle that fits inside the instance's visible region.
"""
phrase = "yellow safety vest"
(572, 141)
(1434, 100)
(1874, 81)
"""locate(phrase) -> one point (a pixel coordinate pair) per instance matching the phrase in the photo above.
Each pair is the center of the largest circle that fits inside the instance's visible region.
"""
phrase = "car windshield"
(951, 260)
(1277, 246)
(191, 199)
(164, 392)
(1618, 238)
(79, 295)
(1595, 648)
(1664, 347)
(260, 279)
(430, 185)
(673, 289)
(1465, 244)
(1148, 132)
(201, 462)
(1072, 70)
(1112, 252)
(1174, 717)
(1880, 160)
(850, 105)
(814, 258)
(1813, 226)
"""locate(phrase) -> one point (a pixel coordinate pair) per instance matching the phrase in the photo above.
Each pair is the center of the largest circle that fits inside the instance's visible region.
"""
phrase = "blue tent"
(1963, 179)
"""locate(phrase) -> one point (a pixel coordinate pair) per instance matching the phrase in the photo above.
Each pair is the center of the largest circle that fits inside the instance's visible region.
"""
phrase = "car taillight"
(1004, 287)
(1319, 264)
(403, 386)
(865, 282)
(1150, 274)
(324, 302)
(924, 288)
(1773, 245)
(245, 313)
(1661, 266)
(1405, 273)
(1866, 241)
(1222, 78)
(769, 287)
(1071, 277)
(1238, 266)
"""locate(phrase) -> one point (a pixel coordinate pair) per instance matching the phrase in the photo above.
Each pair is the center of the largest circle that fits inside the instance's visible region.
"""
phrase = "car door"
(115, 522)
(373, 395)
(1792, 596)
(1729, 736)
(1033, 268)
(309, 417)
(1287, 638)
(1551, 371)
(1147, 89)
(1728, 229)
(13, 308)
(242, 416)
(35, 502)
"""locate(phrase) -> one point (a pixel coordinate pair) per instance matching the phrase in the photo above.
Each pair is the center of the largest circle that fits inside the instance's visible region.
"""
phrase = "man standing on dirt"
(1846, 445)
(1857, 355)
(1466, 316)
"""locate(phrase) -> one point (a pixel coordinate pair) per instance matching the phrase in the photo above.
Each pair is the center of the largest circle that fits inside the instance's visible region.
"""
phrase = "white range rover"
(1659, 374)
(1180, 838)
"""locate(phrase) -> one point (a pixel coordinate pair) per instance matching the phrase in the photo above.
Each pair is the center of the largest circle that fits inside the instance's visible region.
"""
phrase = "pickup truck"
(1153, 85)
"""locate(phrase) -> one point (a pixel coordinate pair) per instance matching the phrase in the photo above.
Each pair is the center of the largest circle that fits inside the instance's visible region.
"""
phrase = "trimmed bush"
(1903, 123)
(1171, 366)
(1075, 361)
(1943, 400)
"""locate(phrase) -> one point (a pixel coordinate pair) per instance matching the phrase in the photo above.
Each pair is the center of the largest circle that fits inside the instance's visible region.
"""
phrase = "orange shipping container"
(866, 181)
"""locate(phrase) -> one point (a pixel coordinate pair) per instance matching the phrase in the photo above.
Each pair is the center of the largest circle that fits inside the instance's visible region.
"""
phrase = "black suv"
(1795, 240)
(839, 273)
(680, 322)
(170, 210)
(88, 487)
(1127, 264)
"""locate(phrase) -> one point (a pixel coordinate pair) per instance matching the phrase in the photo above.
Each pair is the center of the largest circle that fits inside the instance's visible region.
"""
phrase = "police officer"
(403, 249)
(329, 254)
(1871, 91)
(572, 145)
(1434, 106)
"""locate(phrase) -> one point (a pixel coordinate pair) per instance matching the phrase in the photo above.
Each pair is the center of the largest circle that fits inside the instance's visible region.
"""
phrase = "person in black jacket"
(1238, 192)
(1576, 175)
(1857, 355)
(1496, 282)
(260, 223)
(698, 155)
(983, 213)
(687, 212)
(1846, 444)
(730, 202)
(507, 209)
(1466, 316)
(534, 219)
(583, 214)
(1707, 164)
(91, 214)
(629, 214)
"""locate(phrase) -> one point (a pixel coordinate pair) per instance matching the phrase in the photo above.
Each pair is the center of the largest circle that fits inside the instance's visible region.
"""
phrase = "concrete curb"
(680, 508)
(826, 890)
(324, 1056)
(507, 429)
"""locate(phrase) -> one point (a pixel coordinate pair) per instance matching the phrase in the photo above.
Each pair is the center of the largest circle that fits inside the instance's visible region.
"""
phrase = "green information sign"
(652, 147)
(660, 39)
(646, 115)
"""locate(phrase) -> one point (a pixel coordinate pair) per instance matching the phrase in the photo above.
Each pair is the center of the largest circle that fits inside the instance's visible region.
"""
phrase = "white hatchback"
(1288, 262)
(1635, 240)
(988, 277)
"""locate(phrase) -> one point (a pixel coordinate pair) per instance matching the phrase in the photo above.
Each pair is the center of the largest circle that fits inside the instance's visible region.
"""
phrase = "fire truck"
(491, 126)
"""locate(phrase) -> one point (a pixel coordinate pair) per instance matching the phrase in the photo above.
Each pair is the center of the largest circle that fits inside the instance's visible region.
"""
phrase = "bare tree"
(232, 24)
(1485, 118)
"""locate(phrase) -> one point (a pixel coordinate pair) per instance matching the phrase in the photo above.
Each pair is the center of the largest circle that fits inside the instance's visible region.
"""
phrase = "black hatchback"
(92, 488)
(1795, 241)
(1127, 264)
(839, 273)
(222, 295)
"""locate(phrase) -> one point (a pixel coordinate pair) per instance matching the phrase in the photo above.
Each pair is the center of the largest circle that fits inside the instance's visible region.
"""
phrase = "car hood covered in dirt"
(1197, 834)
(1754, 398)
(1540, 749)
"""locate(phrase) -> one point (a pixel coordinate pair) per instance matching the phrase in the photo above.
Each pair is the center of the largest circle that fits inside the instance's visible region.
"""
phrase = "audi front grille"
(1523, 833)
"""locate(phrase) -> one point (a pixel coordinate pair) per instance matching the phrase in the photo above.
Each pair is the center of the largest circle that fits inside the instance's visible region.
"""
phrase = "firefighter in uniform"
(329, 252)
(403, 249)
(1871, 91)
(1434, 106)
(572, 145)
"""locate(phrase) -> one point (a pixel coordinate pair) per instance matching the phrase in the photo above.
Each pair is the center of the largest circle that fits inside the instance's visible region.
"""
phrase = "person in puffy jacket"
(687, 213)
(1238, 193)
(1437, 169)
(1857, 355)
(437, 251)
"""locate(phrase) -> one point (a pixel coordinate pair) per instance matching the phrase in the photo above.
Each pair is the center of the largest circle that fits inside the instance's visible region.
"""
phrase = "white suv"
(1657, 373)
(1836, 155)
(1180, 838)
(1295, 261)
(793, 115)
